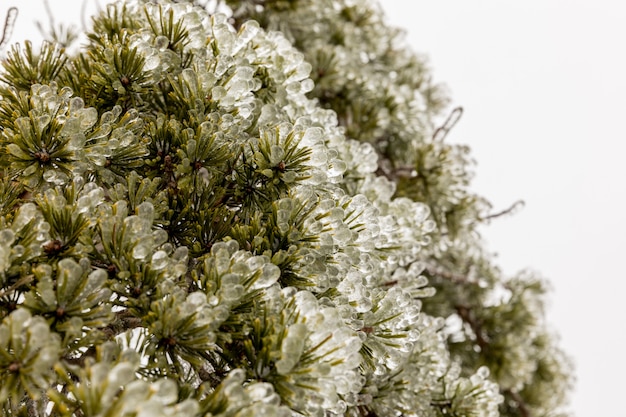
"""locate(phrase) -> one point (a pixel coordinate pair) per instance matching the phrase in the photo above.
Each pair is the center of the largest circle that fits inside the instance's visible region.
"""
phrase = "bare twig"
(22, 281)
(466, 315)
(515, 206)
(442, 131)
(124, 320)
(83, 12)
(450, 276)
(522, 407)
(46, 4)
(9, 23)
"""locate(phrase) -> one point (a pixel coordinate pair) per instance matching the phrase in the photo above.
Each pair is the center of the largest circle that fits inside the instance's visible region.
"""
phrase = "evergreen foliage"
(249, 208)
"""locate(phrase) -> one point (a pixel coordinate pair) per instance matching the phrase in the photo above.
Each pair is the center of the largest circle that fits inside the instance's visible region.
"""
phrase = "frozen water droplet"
(233, 293)
(141, 250)
(76, 104)
(54, 176)
(161, 42)
(293, 88)
(76, 142)
(159, 260)
(483, 372)
(269, 276)
(180, 254)
(6, 237)
(121, 374)
(160, 237)
(146, 210)
(261, 392)
(17, 251)
(89, 118)
(248, 31)
(277, 153)
(196, 300)
(337, 168)
(42, 121)
(25, 214)
(138, 225)
(307, 85)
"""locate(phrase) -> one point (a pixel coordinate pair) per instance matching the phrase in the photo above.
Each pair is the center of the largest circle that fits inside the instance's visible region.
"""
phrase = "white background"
(543, 85)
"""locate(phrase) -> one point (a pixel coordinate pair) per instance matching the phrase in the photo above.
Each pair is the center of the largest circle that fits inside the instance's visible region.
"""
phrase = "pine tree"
(249, 208)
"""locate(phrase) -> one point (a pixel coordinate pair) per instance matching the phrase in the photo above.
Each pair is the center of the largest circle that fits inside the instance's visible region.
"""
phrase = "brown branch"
(22, 281)
(80, 360)
(443, 130)
(395, 173)
(450, 276)
(83, 13)
(124, 320)
(466, 315)
(521, 404)
(518, 204)
(9, 23)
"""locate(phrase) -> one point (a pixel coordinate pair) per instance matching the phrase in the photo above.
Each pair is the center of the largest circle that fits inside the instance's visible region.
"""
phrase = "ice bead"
(159, 260)
(7, 236)
(160, 237)
(120, 375)
(141, 249)
(25, 214)
(89, 118)
(263, 392)
(232, 293)
(248, 31)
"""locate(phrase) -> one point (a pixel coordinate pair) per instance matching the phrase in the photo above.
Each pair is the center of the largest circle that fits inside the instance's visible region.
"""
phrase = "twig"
(511, 209)
(523, 408)
(124, 320)
(22, 281)
(442, 131)
(450, 276)
(46, 4)
(466, 315)
(9, 23)
(83, 12)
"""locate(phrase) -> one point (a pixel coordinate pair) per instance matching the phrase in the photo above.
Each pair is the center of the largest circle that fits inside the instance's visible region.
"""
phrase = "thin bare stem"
(9, 24)
(522, 407)
(442, 131)
(22, 281)
(515, 206)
